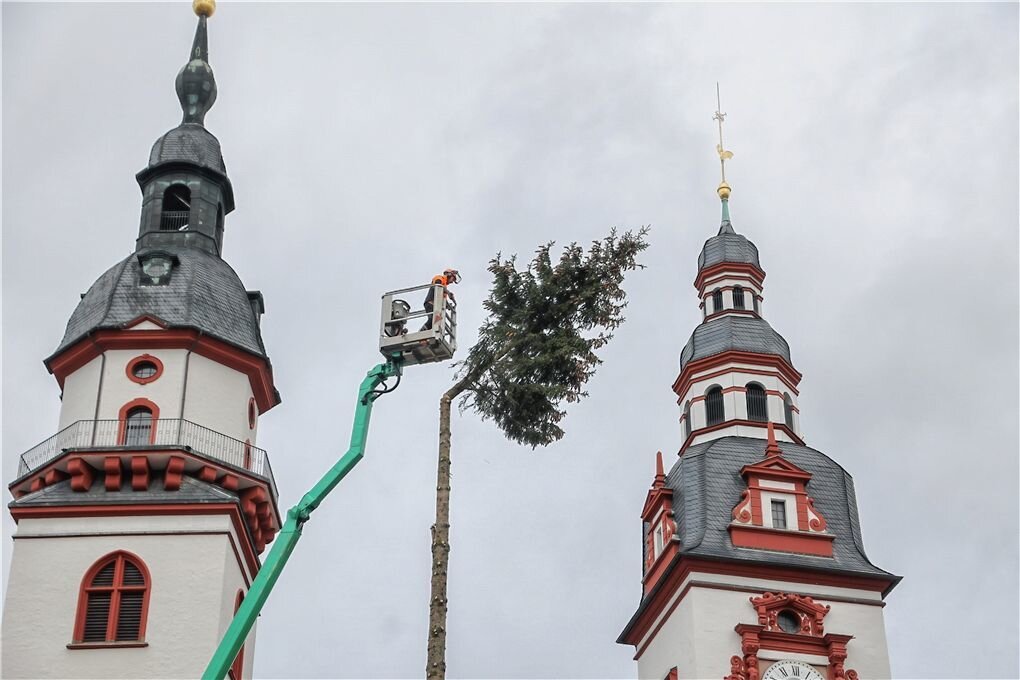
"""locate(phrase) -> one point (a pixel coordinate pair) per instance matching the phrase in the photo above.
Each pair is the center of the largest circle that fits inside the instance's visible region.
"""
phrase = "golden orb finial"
(723, 191)
(204, 8)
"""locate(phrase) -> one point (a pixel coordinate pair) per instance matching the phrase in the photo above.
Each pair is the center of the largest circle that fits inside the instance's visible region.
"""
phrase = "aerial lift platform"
(401, 346)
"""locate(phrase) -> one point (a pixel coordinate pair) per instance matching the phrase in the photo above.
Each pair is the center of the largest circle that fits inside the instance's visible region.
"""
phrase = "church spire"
(724, 189)
(196, 86)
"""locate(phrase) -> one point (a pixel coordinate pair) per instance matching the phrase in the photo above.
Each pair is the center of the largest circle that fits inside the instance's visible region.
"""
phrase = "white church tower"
(140, 522)
(754, 564)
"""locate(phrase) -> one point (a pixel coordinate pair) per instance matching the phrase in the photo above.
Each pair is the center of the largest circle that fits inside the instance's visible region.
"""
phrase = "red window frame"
(234, 672)
(252, 413)
(116, 589)
(122, 417)
(148, 358)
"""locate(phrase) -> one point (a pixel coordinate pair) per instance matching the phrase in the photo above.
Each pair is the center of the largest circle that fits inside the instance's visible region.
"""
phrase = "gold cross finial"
(724, 155)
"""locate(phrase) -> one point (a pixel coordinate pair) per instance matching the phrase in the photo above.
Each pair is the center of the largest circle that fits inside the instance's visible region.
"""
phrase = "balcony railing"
(134, 434)
(173, 220)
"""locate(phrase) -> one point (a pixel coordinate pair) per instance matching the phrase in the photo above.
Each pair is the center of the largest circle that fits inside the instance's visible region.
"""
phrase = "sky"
(370, 146)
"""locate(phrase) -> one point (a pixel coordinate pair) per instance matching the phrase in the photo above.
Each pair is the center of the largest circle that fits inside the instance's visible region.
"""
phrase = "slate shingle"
(743, 333)
(204, 293)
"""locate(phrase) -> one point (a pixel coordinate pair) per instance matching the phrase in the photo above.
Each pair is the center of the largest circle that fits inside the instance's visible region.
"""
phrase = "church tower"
(754, 564)
(140, 522)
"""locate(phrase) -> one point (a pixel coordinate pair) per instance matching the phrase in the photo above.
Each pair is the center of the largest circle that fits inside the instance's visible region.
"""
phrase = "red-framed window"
(144, 369)
(138, 420)
(253, 413)
(234, 673)
(114, 600)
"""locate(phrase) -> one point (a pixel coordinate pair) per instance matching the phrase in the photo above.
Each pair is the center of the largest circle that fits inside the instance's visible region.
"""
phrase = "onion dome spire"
(196, 86)
(724, 189)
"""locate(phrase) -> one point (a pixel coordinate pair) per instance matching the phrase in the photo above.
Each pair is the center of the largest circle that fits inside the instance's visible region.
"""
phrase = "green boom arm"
(264, 581)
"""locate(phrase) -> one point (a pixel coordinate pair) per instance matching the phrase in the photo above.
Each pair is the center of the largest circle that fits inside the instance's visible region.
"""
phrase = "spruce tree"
(534, 354)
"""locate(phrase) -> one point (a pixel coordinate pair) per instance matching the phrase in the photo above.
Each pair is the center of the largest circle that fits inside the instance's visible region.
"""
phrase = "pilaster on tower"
(149, 506)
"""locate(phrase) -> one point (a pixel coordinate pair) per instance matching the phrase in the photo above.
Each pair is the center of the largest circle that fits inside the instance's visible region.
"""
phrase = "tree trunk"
(435, 663)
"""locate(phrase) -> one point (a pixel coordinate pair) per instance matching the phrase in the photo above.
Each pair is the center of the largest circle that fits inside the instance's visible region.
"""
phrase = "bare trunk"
(435, 663)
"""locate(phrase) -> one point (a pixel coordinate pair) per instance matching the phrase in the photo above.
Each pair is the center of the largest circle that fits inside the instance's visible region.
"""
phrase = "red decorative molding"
(658, 605)
(811, 614)
(691, 370)
(258, 369)
(115, 589)
(229, 482)
(730, 423)
(53, 476)
(111, 471)
(130, 369)
(756, 273)
(82, 474)
(173, 474)
(657, 513)
(139, 473)
(207, 473)
(741, 369)
(781, 540)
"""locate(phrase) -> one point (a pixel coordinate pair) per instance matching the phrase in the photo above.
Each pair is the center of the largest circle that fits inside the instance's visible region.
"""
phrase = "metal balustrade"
(111, 434)
(174, 220)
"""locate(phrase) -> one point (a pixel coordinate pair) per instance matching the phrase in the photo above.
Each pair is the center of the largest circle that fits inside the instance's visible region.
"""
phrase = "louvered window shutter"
(114, 603)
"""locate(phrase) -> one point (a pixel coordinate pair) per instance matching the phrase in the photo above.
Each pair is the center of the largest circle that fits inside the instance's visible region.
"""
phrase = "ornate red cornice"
(258, 369)
(757, 274)
(688, 375)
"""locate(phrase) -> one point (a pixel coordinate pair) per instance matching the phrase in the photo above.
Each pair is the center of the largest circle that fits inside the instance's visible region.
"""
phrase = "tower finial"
(196, 86)
(724, 155)
(204, 8)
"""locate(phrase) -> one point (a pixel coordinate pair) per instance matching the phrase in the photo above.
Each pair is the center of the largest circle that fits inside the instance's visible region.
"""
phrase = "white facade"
(194, 574)
(190, 386)
(698, 637)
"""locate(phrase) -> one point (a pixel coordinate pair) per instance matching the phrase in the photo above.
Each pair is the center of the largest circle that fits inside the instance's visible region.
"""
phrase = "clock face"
(791, 670)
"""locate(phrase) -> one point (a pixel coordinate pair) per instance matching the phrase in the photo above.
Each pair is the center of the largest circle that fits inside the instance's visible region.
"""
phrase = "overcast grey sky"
(875, 167)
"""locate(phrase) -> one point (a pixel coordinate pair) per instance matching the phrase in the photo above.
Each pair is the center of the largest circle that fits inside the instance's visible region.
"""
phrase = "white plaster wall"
(189, 573)
(735, 403)
(698, 637)
(217, 398)
(165, 391)
(78, 401)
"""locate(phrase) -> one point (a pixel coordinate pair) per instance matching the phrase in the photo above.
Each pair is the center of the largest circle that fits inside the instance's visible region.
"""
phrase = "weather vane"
(724, 155)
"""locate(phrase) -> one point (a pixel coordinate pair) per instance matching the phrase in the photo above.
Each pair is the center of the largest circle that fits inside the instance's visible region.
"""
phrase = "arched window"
(176, 208)
(114, 600)
(687, 420)
(234, 672)
(738, 297)
(714, 410)
(716, 301)
(757, 406)
(788, 410)
(138, 427)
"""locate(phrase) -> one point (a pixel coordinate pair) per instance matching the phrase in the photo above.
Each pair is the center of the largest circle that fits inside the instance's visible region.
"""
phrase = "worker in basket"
(445, 279)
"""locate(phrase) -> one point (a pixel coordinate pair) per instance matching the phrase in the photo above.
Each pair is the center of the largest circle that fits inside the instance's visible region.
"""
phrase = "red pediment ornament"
(775, 480)
(810, 613)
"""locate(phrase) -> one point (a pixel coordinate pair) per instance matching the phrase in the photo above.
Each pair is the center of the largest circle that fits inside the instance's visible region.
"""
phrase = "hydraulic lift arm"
(264, 581)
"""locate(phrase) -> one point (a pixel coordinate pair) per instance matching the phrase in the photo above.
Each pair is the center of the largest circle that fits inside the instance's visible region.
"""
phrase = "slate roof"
(743, 333)
(192, 491)
(188, 143)
(728, 246)
(204, 293)
(707, 484)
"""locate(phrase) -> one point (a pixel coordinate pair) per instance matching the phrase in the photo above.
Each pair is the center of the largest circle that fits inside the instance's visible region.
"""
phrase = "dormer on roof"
(775, 511)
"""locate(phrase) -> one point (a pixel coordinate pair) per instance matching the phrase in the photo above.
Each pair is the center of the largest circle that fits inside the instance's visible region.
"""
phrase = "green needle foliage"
(537, 349)
(534, 354)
